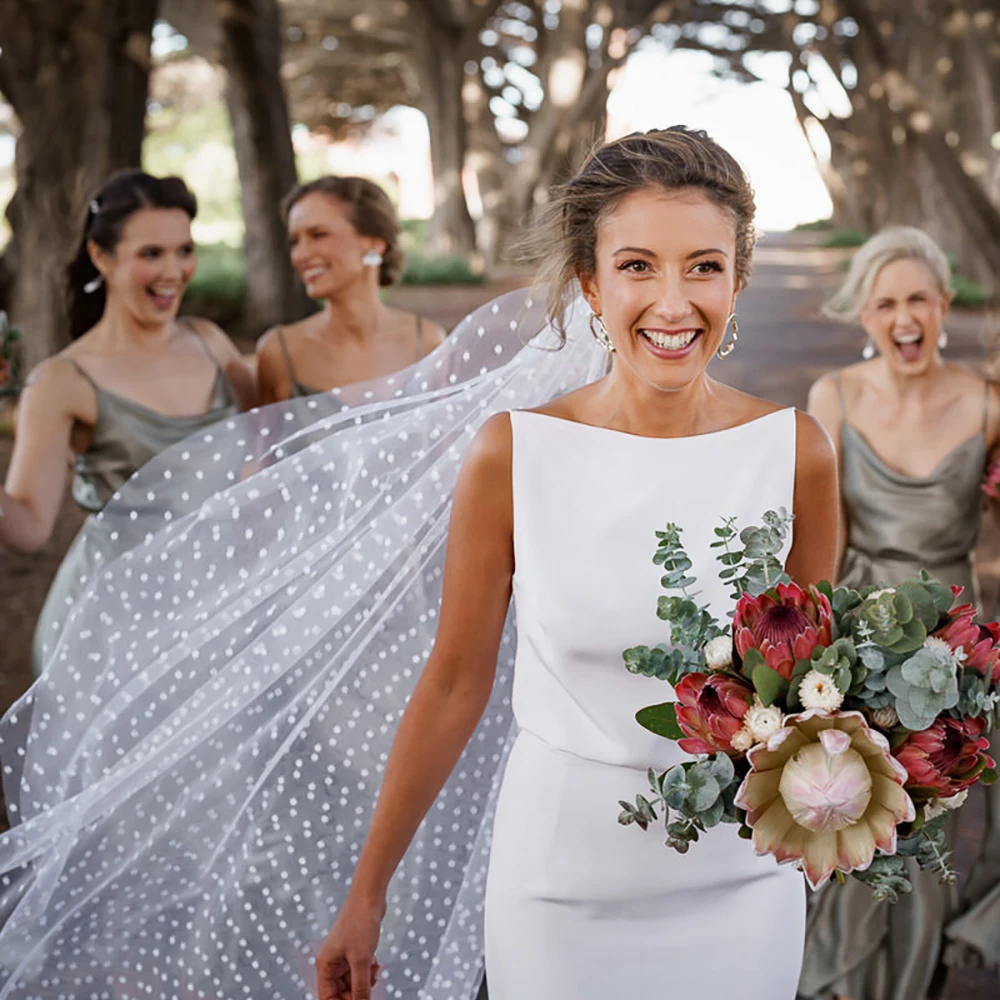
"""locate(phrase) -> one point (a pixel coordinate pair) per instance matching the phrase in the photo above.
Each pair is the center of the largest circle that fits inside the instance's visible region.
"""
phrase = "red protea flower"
(944, 759)
(980, 643)
(784, 628)
(710, 709)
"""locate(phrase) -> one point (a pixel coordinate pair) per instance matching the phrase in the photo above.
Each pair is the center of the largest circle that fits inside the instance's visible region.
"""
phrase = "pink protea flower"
(991, 481)
(946, 758)
(979, 643)
(710, 709)
(826, 792)
(784, 628)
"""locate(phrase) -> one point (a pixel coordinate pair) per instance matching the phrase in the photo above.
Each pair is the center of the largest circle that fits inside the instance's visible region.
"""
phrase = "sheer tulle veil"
(192, 777)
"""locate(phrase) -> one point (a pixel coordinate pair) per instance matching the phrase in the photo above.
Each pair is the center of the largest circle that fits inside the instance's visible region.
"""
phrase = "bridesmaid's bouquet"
(837, 727)
(9, 338)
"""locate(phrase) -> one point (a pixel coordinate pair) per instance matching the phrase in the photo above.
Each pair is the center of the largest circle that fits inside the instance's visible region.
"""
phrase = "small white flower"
(762, 722)
(719, 652)
(875, 594)
(742, 740)
(938, 807)
(818, 692)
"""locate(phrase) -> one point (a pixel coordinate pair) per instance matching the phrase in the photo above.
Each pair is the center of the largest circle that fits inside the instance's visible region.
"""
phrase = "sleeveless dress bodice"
(897, 524)
(566, 880)
(125, 437)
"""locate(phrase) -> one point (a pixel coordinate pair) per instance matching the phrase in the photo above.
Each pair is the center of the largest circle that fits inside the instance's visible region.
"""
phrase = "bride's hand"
(345, 965)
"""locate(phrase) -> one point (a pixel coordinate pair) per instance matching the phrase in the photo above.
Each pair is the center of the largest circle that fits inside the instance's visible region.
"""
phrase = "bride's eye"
(635, 266)
(707, 267)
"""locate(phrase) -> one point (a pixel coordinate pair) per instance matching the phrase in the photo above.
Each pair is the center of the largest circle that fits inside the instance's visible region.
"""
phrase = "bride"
(196, 769)
(558, 505)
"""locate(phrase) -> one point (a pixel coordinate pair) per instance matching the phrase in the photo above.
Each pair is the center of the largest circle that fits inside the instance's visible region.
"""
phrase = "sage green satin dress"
(856, 947)
(126, 436)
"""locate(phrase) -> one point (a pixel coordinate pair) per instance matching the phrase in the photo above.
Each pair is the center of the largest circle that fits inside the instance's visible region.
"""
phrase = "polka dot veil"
(192, 778)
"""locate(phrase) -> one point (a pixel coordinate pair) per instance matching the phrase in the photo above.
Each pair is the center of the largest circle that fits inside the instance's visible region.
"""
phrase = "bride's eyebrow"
(642, 250)
(699, 253)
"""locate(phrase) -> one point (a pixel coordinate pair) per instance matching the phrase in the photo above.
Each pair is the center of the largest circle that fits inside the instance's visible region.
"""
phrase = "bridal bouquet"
(837, 727)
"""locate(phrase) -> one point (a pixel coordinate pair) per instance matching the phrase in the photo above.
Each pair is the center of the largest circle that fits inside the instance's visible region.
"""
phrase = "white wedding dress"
(579, 907)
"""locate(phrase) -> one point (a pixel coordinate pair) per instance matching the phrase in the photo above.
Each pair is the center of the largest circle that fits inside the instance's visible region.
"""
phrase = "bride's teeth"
(670, 341)
(909, 338)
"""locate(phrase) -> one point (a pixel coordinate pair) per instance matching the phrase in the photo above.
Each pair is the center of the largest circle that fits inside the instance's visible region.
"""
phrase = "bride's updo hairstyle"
(671, 158)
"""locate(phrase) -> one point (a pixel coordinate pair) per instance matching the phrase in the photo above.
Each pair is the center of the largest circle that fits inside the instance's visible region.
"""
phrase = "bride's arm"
(815, 531)
(446, 705)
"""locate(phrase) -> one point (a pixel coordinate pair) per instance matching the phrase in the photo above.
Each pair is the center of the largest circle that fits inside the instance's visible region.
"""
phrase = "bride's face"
(664, 282)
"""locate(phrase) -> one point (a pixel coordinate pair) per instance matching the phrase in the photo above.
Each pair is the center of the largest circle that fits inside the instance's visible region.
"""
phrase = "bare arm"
(36, 479)
(446, 704)
(433, 334)
(816, 545)
(273, 382)
(824, 405)
(238, 371)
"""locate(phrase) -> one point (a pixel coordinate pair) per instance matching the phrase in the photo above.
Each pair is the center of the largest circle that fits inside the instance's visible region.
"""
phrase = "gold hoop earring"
(601, 334)
(724, 352)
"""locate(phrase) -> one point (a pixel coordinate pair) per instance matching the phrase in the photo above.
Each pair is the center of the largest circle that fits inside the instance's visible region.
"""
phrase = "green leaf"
(704, 789)
(903, 607)
(923, 604)
(913, 637)
(769, 684)
(722, 769)
(752, 658)
(730, 558)
(988, 775)
(660, 719)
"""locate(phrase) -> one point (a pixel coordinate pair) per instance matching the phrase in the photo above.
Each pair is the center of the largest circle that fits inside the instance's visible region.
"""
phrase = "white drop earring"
(868, 351)
(372, 259)
(943, 340)
(93, 284)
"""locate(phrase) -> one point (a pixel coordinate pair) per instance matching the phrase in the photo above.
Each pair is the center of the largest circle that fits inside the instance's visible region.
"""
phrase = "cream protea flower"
(762, 723)
(719, 652)
(825, 789)
(818, 693)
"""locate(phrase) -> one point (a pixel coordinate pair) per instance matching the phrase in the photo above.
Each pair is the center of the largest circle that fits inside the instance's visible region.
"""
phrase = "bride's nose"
(672, 302)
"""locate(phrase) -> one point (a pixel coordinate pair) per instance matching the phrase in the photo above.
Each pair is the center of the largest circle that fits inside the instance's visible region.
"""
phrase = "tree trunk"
(255, 95)
(439, 63)
(58, 66)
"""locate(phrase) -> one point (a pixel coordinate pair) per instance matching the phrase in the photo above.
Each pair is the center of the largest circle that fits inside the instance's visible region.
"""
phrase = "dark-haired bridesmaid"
(135, 379)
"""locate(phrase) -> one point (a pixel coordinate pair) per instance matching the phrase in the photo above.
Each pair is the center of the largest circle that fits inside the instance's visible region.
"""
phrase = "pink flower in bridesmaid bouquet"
(785, 624)
(710, 710)
(980, 644)
(946, 758)
(991, 481)
(825, 791)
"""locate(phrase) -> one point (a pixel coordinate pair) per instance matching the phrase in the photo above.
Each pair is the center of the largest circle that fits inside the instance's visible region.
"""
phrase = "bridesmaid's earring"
(93, 284)
(868, 351)
(943, 340)
(372, 259)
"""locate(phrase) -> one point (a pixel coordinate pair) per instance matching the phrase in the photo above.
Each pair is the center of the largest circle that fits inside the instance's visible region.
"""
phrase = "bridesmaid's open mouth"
(908, 346)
